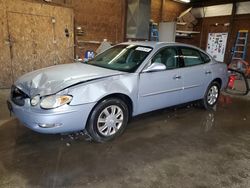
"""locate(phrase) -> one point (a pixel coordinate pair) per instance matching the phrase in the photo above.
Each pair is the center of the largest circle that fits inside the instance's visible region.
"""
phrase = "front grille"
(18, 96)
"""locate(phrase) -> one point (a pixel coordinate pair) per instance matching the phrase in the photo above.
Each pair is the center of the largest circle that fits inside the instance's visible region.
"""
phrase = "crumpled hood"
(53, 79)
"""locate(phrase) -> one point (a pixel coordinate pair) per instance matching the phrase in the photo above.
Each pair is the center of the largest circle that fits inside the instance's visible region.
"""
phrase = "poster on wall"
(216, 45)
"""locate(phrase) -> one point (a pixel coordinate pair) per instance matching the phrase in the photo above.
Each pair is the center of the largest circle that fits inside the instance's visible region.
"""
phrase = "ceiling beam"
(201, 3)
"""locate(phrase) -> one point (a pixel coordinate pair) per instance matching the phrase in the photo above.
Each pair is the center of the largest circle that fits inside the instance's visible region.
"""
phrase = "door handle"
(208, 72)
(177, 77)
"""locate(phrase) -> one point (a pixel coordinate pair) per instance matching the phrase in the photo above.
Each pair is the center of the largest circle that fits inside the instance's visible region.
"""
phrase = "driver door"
(160, 89)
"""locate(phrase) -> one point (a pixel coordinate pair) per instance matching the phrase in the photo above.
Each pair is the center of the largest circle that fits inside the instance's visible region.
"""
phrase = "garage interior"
(181, 146)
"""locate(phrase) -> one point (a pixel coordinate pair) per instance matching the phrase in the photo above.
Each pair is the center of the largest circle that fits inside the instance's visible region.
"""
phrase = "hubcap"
(110, 120)
(213, 94)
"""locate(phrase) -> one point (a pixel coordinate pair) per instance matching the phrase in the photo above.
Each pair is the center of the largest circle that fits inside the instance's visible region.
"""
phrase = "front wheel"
(211, 96)
(108, 120)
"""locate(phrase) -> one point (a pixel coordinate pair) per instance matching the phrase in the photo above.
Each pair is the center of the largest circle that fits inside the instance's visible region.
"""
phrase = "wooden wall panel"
(172, 9)
(100, 19)
(240, 22)
(64, 46)
(205, 26)
(37, 32)
(30, 53)
(63, 3)
(5, 63)
(166, 10)
(156, 10)
(208, 26)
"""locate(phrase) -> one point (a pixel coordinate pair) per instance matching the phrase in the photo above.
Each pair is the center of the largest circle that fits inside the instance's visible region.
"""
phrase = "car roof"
(155, 44)
(152, 44)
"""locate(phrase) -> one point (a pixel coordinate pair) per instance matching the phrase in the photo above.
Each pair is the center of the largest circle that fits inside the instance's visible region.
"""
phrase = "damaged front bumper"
(64, 119)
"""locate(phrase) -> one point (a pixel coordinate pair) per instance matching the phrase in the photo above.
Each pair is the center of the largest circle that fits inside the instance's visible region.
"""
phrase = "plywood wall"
(64, 3)
(37, 35)
(5, 62)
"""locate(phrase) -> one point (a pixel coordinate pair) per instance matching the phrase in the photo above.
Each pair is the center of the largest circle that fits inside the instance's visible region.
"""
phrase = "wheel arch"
(125, 98)
(90, 129)
(218, 80)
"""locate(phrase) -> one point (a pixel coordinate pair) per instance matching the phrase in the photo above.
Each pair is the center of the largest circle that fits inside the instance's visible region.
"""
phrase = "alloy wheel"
(213, 94)
(110, 120)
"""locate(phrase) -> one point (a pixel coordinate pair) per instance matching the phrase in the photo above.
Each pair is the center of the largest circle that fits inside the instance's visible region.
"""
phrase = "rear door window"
(191, 56)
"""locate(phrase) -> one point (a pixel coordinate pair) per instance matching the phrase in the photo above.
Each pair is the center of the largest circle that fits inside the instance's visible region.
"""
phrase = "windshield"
(125, 58)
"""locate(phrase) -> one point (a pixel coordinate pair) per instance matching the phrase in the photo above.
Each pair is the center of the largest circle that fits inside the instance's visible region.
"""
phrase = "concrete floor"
(184, 147)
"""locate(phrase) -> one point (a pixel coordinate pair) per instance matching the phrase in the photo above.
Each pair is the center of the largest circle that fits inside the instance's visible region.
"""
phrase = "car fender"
(219, 70)
(94, 91)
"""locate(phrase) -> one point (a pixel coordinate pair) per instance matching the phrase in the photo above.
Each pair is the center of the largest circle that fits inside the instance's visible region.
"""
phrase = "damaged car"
(101, 95)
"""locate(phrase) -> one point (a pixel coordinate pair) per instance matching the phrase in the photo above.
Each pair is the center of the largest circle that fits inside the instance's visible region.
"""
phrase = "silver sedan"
(99, 96)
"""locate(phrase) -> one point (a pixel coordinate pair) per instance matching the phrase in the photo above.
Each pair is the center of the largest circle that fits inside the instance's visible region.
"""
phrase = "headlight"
(55, 101)
(35, 100)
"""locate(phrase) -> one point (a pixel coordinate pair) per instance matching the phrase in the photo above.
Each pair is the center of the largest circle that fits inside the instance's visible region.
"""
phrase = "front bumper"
(65, 118)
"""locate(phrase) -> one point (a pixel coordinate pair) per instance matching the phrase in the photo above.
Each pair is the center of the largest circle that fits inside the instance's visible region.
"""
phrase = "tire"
(108, 120)
(211, 96)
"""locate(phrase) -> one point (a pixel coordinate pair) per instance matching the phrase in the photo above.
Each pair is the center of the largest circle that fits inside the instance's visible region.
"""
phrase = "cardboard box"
(187, 17)
(186, 27)
(195, 22)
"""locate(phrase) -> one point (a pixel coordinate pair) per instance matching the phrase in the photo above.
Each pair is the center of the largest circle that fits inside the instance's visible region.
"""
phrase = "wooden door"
(32, 42)
(33, 36)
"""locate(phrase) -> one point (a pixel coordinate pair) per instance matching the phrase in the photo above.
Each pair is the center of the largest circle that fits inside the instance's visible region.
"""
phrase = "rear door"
(196, 73)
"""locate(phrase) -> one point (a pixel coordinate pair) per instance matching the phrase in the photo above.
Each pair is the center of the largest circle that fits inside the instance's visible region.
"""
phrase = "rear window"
(205, 57)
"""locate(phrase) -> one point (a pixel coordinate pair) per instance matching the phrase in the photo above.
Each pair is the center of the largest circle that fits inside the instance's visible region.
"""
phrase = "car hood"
(53, 79)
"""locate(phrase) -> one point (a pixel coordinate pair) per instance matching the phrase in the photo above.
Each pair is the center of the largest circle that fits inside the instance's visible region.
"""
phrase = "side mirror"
(155, 67)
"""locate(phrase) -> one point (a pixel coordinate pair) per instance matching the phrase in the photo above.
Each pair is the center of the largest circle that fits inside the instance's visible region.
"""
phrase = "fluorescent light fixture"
(183, 1)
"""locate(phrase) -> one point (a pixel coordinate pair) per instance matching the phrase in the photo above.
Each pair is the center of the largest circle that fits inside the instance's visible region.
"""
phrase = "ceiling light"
(183, 1)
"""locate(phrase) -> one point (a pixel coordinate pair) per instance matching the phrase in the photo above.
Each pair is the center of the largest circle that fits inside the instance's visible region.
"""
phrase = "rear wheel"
(212, 95)
(108, 120)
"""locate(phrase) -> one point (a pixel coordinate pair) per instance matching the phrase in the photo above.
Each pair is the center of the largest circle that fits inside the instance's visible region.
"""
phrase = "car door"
(160, 89)
(196, 73)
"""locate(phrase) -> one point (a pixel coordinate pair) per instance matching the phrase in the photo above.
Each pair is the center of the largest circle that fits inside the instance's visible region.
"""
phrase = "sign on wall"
(216, 45)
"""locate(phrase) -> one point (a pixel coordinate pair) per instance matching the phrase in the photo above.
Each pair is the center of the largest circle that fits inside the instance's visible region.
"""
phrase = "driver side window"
(167, 56)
